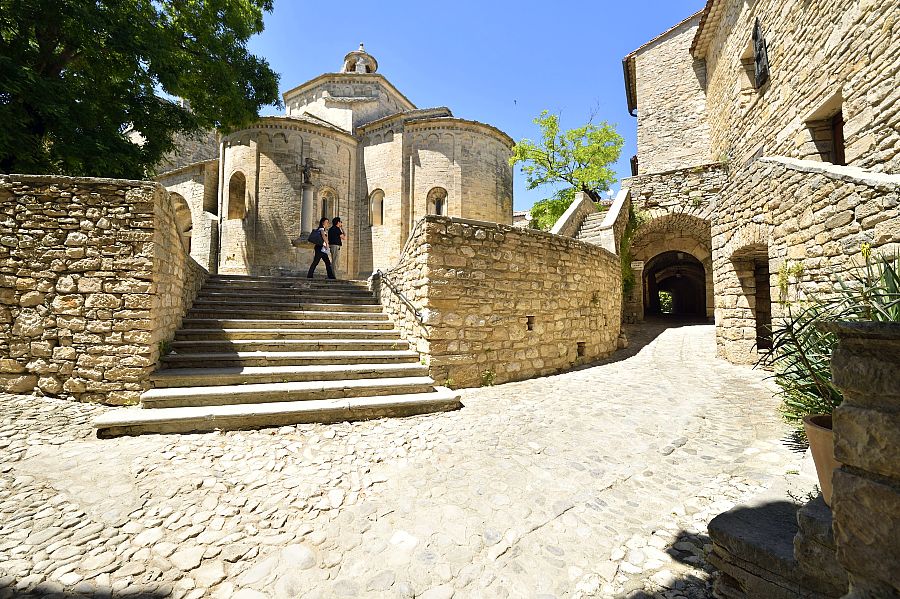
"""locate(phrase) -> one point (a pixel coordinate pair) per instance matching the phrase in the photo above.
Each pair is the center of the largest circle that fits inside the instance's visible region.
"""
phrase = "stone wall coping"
(851, 174)
(266, 122)
(697, 168)
(612, 214)
(571, 241)
(66, 179)
(186, 167)
(404, 115)
(581, 199)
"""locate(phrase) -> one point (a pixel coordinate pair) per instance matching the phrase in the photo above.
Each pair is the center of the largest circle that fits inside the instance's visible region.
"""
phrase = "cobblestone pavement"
(594, 483)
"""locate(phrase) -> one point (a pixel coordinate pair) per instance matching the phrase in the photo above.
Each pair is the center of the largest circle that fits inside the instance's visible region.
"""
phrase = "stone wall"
(808, 219)
(190, 149)
(94, 279)
(691, 189)
(673, 131)
(501, 303)
(823, 56)
(198, 184)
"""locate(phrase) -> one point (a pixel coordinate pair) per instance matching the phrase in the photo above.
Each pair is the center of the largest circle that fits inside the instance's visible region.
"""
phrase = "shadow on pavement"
(688, 549)
(53, 590)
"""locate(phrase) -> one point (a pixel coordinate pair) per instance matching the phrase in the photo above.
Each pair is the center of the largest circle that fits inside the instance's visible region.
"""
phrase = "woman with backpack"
(319, 237)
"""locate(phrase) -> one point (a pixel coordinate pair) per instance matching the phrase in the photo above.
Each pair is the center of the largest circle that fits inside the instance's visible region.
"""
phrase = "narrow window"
(529, 322)
(837, 139)
(237, 196)
(376, 208)
(437, 201)
(579, 348)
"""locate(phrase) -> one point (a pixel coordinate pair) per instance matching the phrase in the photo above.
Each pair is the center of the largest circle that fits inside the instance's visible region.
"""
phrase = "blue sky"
(495, 61)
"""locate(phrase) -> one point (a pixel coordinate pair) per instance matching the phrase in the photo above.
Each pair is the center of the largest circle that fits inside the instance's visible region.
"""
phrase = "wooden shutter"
(760, 56)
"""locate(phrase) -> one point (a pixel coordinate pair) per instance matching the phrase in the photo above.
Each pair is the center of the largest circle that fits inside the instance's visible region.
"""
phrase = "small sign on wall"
(637, 265)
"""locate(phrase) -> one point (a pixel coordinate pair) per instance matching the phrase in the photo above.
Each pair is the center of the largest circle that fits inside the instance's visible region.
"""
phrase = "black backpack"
(315, 237)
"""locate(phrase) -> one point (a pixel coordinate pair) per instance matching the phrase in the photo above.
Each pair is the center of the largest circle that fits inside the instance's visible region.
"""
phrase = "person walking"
(336, 237)
(321, 251)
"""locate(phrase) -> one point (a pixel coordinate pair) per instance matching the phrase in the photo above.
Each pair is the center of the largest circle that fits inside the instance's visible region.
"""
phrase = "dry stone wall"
(694, 189)
(93, 280)
(824, 55)
(501, 303)
(807, 219)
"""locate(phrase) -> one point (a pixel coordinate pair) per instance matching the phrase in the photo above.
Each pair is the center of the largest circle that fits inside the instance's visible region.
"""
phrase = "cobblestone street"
(594, 483)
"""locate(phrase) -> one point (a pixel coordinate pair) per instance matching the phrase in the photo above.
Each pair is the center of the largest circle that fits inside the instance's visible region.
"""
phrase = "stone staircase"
(591, 227)
(269, 351)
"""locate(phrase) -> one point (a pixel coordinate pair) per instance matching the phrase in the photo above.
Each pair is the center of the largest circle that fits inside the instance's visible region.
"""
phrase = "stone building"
(351, 145)
(768, 153)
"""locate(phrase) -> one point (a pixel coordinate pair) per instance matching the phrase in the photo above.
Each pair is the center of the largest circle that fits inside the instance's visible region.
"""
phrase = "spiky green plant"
(801, 351)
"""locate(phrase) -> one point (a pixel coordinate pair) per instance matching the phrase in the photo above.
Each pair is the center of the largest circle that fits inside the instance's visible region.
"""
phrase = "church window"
(237, 196)
(437, 201)
(327, 204)
(376, 208)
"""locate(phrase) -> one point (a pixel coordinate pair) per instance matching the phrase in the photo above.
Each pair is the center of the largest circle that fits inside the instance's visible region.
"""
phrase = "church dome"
(359, 61)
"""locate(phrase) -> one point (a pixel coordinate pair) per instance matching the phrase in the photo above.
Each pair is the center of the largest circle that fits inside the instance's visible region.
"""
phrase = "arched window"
(327, 204)
(376, 208)
(437, 201)
(237, 196)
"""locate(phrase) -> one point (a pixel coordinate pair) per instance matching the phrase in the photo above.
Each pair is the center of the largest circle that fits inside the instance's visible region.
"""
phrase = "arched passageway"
(675, 285)
(672, 266)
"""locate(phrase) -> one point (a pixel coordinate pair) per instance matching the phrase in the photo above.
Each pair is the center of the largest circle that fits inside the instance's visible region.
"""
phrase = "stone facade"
(679, 206)
(824, 57)
(673, 129)
(804, 222)
(349, 145)
(772, 229)
(866, 499)
(94, 280)
(195, 185)
(497, 303)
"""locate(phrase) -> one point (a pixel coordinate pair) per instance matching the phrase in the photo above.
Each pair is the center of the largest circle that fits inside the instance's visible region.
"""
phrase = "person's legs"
(318, 256)
(335, 258)
(328, 268)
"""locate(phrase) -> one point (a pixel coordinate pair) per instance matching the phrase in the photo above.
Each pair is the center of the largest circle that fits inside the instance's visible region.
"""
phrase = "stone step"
(278, 280)
(270, 358)
(340, 305)
(220, 395)
(206, 346)
(207, 377)
(591, 229)
(223, 334)
(263, 315)
(382, 323)
(281, 294)
(135, 421)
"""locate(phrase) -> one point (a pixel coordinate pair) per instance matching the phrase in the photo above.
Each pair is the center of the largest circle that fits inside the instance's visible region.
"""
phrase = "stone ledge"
(851, 174)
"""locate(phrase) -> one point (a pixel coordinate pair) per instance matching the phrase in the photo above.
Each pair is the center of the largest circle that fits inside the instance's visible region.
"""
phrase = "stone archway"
(184, 222)
(681, 278)
(668, 246)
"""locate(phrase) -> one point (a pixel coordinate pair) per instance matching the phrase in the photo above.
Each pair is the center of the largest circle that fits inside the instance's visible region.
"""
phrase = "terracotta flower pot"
(821, 443)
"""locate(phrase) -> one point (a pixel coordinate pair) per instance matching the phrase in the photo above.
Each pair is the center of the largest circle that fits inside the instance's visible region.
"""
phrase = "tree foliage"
(79, 80)
(578, 158)
(545, 213)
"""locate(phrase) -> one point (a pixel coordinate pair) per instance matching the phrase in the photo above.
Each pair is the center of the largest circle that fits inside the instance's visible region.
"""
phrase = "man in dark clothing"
(336, 237)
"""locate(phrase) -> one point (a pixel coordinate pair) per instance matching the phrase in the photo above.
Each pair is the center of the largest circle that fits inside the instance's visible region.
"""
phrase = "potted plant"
(801, 352)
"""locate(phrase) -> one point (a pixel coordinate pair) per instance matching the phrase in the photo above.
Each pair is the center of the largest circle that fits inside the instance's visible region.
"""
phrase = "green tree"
(578, 158)
(545, 213)
(80, 81)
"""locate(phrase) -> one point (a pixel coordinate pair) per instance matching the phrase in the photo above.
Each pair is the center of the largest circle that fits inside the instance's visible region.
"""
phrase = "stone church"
(351, 145)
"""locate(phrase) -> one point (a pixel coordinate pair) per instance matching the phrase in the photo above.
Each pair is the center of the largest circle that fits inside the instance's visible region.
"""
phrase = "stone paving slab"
(593, 483)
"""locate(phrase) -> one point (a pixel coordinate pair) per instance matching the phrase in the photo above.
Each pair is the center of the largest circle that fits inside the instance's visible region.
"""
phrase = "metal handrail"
(383, 276)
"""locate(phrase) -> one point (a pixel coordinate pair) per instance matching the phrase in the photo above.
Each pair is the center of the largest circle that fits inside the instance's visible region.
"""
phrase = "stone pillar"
(636, 301)
(866, 501)
(306, 210)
